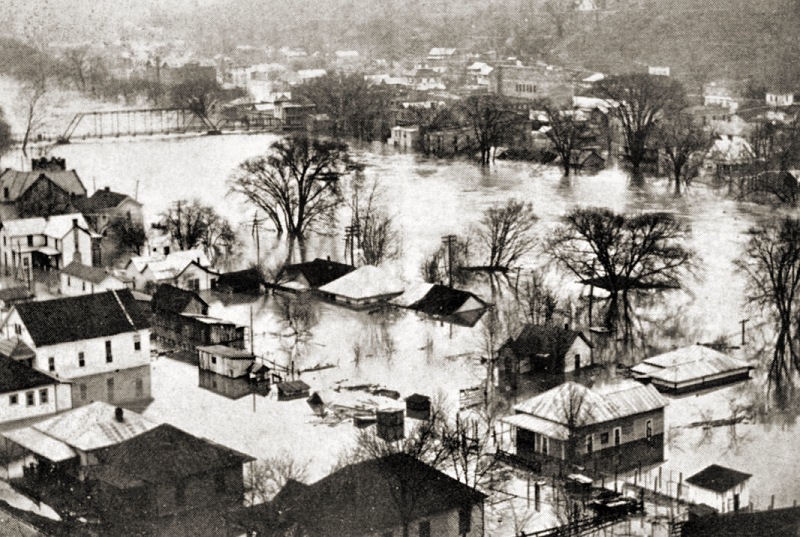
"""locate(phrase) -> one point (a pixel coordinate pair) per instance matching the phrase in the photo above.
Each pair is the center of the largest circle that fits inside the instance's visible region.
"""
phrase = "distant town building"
(780, 98)
(658, 71)
(531, 82)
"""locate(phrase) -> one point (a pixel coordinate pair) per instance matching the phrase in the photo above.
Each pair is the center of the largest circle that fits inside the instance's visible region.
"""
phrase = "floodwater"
(432, 198)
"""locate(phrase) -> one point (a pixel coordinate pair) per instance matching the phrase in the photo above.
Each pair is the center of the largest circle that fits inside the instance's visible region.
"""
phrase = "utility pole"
(256, 225)
(350, 233)
(743, 322)
(449, 240)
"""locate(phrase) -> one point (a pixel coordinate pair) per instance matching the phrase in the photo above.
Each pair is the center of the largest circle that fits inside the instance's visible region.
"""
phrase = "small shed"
(391, 424)
(224, 360)
(418, 406)
(722, 488)
(293, 389)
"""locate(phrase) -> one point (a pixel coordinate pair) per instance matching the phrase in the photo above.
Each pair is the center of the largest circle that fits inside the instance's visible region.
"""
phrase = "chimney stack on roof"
(119, 415)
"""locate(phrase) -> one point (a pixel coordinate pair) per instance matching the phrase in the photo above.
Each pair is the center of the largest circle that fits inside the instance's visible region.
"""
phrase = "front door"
(735, 502)
(577, 362)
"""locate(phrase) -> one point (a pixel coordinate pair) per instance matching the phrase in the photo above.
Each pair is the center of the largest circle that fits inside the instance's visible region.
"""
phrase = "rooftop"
(16, 376)
(15, 349)
(18, 182)
(56, 226)
(364, 282)
(717, 478)
(687, 363)
(226, 352)
(87, 273)
(76, 318)
(172, 299)
(101, 200)
(317, 272)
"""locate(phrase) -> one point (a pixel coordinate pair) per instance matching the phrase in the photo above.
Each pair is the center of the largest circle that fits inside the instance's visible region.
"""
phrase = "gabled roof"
(317, 272)
(164, 454)
(18, 182)
(86, 273)
(76, 318)
(442, 300)
(717, 478)
(241, 281)
(16, 376)
(363, 499)
(15, 349)
(101, 200)
(169, 298)
(553, 341)
(169, 266)
(56, 226)
(365, 282)
(93, 426)
(687, 363)
(575, 403)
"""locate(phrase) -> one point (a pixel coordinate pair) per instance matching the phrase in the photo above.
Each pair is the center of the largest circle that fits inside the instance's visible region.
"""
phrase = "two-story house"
(617, 425)
(48, 189)
(46, 243)
(393, 495)
(82, 335)
(105, 206)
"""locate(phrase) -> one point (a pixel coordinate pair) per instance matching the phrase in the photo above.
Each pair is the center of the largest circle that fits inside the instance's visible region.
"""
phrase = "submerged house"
(247, 281)
(310, 275)
(691, 368)
(443, 302)
(365, 286)
(618, 425)
(545, 349)
(225, 361)
(392, 495)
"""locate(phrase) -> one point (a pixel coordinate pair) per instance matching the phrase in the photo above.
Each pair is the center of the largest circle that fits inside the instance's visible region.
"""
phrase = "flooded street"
(429, 199)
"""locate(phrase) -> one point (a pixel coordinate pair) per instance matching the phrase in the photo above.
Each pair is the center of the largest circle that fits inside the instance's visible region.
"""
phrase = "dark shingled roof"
(241, 281)
(362, 499)
(16, 376)
(443, 300)
(717, 478)
(544, 340)
(100, 201)
(82, 317)
(163, 454)
(169, 298)
(318, 272)
(15, 293)
(18, 182)
(85, 272)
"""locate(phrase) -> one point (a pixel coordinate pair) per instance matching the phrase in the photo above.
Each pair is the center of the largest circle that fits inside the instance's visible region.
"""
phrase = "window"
(81, 360)
(30, 398)
(109, 357)
(4, 241)
(589, 444)
(180, 492)
(213, 359)
(83, 286)
(44, 396)
(425, 528)
(30, 240)
(51, 364)
(83, 392)
(5, 192)
(137, 342)
(13, 399)
(139, 388)
(219, 482)
(545, 445)
(69, 281)
(464, 520)
(617, 436)
(18, 329)
(648, 429)
(110, 389)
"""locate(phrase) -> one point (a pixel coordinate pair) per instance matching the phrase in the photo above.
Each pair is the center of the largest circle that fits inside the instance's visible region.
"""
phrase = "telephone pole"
(350, 234)
(449, 240)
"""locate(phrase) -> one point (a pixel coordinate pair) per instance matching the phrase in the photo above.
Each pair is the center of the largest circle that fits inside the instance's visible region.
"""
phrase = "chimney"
(119, 415)
(566, 326)
(77, 255)
(329, 258)
(107, 189)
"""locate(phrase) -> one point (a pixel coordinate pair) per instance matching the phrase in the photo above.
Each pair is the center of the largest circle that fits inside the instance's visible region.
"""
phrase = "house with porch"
(26, 392)
(83, 335)
(619, 425)
(392, 495)
(79, 279)
(45, 243)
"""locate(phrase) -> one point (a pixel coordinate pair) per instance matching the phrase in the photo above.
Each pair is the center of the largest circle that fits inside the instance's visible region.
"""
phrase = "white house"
(224, 360)
(723, 489)
(79, 279)
(51, 242)
(82, 335)
(187, 269)
(780, 98)
(27, 393)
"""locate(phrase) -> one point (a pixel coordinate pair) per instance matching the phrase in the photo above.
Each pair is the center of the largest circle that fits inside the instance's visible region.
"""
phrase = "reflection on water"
(130, 388)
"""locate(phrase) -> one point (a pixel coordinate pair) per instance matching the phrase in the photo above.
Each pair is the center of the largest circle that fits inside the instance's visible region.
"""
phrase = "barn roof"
(169, 298)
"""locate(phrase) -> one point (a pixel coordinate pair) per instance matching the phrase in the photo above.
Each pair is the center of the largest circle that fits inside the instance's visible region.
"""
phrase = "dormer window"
(5, 192)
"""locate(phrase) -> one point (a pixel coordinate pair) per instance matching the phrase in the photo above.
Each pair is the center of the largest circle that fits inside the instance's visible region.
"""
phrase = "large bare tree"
(567, 134)
(506, 233)
(771, 262)
(621, 254)
(377, 234)
(684, 143)
(296, 184)
(493, 121)
(639, 101)
(195, 224)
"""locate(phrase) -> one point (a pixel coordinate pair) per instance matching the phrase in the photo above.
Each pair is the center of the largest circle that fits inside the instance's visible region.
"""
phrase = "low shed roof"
(718, 478)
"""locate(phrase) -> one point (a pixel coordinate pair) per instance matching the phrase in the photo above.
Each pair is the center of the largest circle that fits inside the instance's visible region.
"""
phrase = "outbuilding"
(224, 360)
(722, 488)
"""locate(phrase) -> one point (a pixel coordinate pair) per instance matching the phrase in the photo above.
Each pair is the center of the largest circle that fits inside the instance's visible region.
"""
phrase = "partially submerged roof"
(365, 282)
(77, 318)
(317, 272)
(688, 363)
(16, 376)
(553, 341)
(86, 273)
(172, 299)
(240, 281)
(575, 403)
(441, 300)
(718, 478)
(164, 454)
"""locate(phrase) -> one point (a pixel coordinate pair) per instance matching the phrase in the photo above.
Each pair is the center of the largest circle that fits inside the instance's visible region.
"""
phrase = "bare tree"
(377, 235)
(195, 224)
(505, 232)
(639, 102)
(575, 413)
(567, 134)
(684, 143)
(537, 301)
(447, 260)
(771, 262)
(31, 103)
(621, 254)
(6, 138)
(298, 316)
(296, 184)
(492, 120)
(129, 234)
(267, 477)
